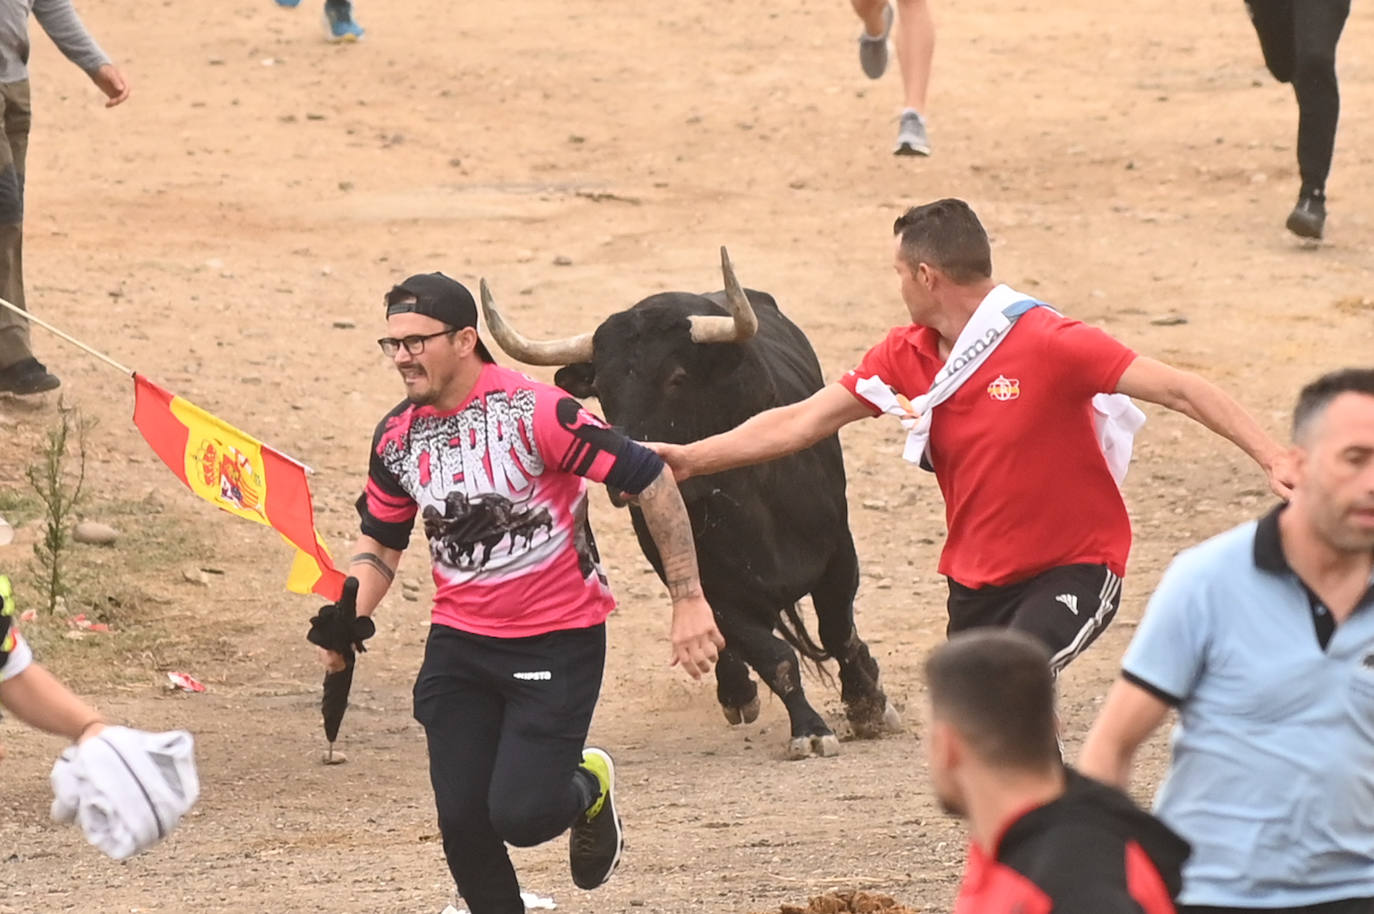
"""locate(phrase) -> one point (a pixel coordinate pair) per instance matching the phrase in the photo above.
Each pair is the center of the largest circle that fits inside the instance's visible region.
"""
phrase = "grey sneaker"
(873, 48)
(911, 136)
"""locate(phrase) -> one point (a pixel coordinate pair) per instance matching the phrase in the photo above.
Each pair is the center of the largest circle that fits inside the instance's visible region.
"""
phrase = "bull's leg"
(737, 693)
(865, 704)
(776, 664)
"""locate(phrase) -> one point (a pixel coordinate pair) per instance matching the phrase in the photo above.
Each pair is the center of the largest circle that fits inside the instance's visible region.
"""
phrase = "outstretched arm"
(696, 640)
(39, 699)
(771, 434)
(1204, 402)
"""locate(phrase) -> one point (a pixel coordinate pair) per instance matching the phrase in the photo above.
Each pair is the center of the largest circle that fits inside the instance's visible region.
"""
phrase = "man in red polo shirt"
(1038, 531)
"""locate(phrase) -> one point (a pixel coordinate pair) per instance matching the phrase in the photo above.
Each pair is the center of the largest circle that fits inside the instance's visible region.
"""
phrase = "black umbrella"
(334, 698)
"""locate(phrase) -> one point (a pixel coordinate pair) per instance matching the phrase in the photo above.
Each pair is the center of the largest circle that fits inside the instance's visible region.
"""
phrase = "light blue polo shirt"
(1272, 777)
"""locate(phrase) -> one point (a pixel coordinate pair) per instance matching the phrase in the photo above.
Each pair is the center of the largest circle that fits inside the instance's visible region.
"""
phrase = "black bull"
(678, 367)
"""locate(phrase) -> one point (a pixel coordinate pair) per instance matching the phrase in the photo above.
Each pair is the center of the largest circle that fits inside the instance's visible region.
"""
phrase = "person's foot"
(26, 377)
(289, 3)
(911, 135)
(338, 15)
(596, 840)
(1308, 218)
(873, 48)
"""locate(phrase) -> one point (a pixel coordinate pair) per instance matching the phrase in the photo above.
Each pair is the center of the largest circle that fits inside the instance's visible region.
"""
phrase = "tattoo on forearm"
(375, 560)
(666, 516)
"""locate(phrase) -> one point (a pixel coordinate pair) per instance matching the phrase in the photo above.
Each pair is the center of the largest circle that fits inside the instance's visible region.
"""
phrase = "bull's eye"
(676, 378)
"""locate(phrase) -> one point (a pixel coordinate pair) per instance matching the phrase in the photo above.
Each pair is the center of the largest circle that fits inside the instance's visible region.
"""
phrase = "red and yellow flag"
(240, 475)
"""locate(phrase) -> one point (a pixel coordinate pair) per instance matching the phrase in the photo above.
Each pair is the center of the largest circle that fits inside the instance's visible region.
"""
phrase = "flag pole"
(73, 340)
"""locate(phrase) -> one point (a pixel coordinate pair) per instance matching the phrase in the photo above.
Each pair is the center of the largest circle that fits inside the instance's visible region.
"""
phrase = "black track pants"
(1298, 39)
(506, 719)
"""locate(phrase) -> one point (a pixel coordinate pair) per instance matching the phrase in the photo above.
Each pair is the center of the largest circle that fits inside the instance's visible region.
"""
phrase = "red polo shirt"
(1014, 449)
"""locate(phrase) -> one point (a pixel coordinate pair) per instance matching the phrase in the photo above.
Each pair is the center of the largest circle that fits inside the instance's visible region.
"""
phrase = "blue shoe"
(289, 3)
(338, 17)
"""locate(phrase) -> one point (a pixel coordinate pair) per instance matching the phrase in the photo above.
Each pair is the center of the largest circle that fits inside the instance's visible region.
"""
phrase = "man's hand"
(109, 80)
(337, 629)
(1279, 469)
(696, 640)
(676, 456)
(332, 661)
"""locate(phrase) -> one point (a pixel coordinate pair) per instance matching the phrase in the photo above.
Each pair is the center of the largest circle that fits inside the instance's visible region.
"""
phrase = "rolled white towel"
(127, 789)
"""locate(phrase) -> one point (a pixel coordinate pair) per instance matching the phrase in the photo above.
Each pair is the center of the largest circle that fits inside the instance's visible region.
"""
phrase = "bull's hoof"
(825, 745)
(746, 713)
(872, 717)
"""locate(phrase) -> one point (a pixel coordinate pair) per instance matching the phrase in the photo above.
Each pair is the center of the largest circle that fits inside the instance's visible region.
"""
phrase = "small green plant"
(51, 479)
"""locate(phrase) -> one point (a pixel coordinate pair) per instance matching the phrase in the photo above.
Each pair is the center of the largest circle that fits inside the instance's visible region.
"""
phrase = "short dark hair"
(1315, 397)
(947, 235)
(994, 686)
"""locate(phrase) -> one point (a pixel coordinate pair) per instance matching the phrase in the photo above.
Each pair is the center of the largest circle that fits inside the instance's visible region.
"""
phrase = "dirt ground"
(1132, 162)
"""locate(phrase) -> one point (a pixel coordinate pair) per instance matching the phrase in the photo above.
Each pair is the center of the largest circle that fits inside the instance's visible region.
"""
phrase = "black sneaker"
(1309, 217)
(596, 841)
(26, 377)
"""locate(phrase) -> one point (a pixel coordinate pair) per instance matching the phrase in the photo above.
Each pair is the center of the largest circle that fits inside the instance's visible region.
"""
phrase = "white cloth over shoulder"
(127, 789)
(1115, 418)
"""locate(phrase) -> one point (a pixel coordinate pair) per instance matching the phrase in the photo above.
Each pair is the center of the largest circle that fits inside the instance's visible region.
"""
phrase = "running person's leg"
(877, 19)
(980, 607)
(1317, 26)
(1067, 608)
(915, 50)
(543, 781)
(462, 711)
(1273, 22)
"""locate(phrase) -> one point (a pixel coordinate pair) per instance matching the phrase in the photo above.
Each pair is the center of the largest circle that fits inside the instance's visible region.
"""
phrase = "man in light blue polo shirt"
(1263, 639)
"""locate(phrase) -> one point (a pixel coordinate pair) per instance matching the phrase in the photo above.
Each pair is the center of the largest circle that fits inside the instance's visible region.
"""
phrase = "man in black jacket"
(1045, 839)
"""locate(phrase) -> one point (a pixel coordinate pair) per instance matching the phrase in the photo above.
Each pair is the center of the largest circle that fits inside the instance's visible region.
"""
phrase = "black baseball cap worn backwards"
(438, 296)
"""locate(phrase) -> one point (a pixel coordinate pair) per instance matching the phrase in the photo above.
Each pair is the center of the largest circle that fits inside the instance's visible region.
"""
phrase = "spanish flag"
(240, 475)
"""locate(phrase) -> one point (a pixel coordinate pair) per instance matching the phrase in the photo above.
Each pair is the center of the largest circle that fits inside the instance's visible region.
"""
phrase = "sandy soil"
(1132, 164)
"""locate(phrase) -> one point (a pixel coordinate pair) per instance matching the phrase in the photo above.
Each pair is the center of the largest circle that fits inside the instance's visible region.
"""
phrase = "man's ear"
(946, 746)
(578, 379)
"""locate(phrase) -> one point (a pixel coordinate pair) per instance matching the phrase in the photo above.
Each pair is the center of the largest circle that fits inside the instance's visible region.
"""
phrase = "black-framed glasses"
(414, 344)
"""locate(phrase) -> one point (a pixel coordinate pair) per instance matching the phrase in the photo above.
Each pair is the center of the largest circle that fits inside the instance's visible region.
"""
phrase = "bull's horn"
(568, 351)
(742, 322)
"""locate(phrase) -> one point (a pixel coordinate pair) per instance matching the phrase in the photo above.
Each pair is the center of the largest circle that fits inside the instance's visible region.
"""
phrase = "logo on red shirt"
(1004, 388)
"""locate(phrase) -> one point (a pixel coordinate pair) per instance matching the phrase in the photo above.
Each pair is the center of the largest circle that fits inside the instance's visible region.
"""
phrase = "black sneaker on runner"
(1309, 217)
(596, 840)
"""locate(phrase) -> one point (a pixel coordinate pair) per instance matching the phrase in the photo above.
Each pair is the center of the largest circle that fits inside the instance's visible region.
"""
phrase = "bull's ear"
(578, 379)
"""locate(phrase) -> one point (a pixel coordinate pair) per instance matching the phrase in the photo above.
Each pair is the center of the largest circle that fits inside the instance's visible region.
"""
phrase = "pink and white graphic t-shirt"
(500, 486)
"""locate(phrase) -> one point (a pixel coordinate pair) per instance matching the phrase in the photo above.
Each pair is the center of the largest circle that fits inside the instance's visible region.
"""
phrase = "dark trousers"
(1298, 39)
(1348, 906)
(506, 719)
(1066, 608)
(15, 116)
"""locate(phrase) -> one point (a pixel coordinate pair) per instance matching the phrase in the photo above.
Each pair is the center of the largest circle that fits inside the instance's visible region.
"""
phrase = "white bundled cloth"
(126, 789)
(1115, 418)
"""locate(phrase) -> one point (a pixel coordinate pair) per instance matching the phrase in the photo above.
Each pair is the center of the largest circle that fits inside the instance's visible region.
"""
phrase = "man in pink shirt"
(496, 466)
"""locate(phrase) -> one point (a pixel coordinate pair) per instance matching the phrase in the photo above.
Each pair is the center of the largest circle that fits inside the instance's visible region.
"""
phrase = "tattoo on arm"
(376, 561)
(666, 516)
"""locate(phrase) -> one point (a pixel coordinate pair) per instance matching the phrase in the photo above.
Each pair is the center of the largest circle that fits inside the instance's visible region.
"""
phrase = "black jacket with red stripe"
(1092, 851)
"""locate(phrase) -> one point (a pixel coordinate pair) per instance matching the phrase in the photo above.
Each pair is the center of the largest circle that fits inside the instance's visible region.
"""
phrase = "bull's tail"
(793, 631)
